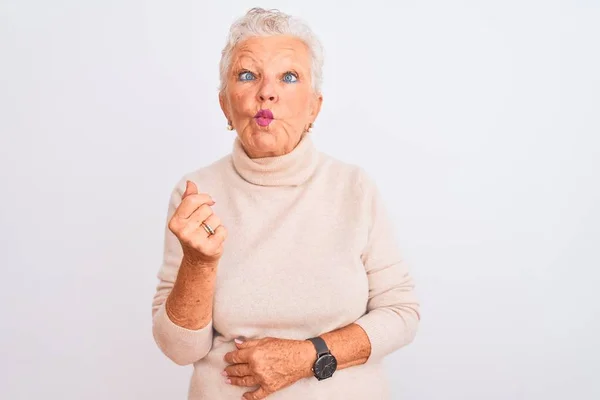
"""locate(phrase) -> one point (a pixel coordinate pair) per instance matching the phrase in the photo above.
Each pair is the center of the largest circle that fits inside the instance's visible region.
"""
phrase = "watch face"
(325, 366)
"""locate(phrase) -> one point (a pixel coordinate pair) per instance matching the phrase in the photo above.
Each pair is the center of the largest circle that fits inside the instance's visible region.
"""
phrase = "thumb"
(190, 188)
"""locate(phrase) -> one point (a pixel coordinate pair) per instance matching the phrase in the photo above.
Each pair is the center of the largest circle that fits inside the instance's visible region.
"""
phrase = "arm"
(392, 316)
(273, 363)
(350, 345)
(392, 310)
(182, 305)
(190, 302)
(183, 338)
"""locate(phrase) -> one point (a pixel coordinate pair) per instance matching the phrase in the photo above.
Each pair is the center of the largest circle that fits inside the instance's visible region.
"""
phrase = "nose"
(267, 93)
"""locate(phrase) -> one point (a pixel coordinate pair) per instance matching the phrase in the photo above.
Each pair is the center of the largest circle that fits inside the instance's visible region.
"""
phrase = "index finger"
(191, 203)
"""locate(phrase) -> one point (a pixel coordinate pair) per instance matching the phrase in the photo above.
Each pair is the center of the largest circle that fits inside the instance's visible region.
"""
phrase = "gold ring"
(208, 229)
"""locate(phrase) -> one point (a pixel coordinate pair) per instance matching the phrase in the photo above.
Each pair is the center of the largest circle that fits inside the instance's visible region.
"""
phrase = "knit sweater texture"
(310, 249)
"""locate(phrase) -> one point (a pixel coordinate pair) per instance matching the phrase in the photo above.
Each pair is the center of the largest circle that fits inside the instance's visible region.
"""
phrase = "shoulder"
(343, 174)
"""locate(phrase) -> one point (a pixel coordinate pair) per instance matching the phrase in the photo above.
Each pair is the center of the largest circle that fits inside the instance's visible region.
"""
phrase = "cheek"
(297, 103)
(240, 102)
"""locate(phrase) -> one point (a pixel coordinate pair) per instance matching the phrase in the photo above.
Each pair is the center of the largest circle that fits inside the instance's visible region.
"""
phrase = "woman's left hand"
(270, 363)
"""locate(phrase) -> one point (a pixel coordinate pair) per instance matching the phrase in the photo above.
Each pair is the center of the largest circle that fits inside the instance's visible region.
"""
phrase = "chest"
(290, 267)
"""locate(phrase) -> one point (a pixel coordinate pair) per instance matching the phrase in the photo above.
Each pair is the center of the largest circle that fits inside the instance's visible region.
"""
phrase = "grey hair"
(261, 22)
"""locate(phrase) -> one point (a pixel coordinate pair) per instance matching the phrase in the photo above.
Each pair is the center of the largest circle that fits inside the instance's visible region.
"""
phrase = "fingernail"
(224, 373)
(238, 341)
(228, 381)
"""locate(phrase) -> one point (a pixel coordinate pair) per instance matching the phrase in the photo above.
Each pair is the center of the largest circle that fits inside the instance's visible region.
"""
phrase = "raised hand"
(199, 246)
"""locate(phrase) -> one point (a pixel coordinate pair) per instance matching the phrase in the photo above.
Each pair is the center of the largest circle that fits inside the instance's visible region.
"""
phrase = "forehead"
(271, 48)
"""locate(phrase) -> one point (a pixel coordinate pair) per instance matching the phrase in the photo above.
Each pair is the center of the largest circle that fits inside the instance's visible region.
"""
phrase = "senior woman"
(281, 277)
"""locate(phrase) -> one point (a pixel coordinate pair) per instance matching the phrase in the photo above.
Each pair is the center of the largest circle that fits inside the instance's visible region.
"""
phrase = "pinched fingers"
(203, 214)
(191, 203)
(213, 221)
(219, 237)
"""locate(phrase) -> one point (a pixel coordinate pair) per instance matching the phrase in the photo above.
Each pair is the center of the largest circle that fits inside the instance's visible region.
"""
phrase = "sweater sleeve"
(392, 314)
(183, 346)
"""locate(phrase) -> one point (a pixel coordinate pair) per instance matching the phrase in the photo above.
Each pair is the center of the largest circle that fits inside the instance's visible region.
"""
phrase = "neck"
(255, 152)
(291, 169)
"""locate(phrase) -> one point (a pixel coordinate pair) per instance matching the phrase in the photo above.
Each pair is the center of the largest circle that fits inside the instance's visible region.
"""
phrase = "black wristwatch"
(326, 364)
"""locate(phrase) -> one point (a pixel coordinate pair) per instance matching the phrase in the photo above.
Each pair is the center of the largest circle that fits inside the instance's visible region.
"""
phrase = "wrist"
(325, 363)
(308, 358)
(194, 263)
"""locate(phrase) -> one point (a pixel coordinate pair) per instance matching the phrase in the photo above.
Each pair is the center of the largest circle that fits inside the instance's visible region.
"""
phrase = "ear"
(315, 108)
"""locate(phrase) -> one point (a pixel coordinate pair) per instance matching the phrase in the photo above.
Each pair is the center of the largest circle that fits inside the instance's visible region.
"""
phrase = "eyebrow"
(246, 61)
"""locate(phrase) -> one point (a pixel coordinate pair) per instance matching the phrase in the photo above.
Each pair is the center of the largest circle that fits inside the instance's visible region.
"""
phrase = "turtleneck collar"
(290, 169)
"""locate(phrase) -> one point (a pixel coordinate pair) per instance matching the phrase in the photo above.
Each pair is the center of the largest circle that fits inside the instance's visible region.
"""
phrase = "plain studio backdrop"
(478, 120)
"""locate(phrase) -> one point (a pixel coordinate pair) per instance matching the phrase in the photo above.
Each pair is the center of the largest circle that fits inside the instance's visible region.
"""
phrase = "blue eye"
(290, 77)
(246, 76)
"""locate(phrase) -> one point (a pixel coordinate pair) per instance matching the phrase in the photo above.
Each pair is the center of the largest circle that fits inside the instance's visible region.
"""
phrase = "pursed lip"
(263, 117)
(264, 114)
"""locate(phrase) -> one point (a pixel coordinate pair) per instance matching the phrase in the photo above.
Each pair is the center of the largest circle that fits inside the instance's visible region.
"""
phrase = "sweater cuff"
(183, 346)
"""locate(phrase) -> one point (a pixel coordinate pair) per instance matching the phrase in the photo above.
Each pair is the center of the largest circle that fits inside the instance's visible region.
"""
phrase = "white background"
(478, 120)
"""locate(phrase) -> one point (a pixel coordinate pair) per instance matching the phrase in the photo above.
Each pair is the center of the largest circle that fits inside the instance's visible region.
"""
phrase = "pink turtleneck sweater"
(310, 250)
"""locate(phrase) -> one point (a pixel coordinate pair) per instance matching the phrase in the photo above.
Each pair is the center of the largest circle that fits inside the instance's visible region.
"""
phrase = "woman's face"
(269, 97)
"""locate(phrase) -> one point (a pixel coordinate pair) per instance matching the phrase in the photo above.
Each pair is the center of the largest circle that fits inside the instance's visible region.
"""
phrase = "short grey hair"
(261, 22)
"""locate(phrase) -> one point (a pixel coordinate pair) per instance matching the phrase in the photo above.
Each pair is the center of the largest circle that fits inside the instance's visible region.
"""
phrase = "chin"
(265, 141)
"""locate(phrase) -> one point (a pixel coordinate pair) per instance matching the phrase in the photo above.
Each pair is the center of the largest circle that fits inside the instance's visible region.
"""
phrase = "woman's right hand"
(199, 248)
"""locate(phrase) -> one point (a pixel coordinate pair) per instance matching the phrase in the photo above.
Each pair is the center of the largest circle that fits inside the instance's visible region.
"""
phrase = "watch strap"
(320, 345)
